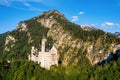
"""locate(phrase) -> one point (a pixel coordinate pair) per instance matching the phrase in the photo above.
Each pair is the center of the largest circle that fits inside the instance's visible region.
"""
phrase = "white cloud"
(108, 24)
(81, 13)
(24, 3)
(6, 2)
(74, 18)
(31, 8)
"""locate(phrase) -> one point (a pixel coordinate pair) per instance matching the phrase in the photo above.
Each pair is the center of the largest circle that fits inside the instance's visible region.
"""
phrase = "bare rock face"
(87, 27)
(22, 26)
(29, 39)
(115, 47)
(63, 40)
(47, 22)
(48, 18)
(10, 40)
(95, 54)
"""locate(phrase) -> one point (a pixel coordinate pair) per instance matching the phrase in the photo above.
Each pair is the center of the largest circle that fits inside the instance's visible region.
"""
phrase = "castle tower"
(33, 50)
(43, 44)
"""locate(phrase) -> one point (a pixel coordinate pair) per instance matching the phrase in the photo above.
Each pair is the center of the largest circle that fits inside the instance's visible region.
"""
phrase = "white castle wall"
(46, 59)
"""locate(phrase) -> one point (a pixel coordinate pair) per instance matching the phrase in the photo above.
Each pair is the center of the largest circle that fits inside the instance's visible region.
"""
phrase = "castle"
(46, 57)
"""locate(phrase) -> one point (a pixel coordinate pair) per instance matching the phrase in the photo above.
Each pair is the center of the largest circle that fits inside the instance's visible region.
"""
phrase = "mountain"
(79, 48)
(117, 34)
(87, 27)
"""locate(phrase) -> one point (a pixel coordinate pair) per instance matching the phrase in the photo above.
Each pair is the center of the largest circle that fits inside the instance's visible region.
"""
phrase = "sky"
(102, 14)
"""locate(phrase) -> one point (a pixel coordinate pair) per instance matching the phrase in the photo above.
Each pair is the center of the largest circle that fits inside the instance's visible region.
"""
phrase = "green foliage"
(37, 31)
(2, 38)
(27, 70)
(22, 46)
(49, 40)
(2, 42)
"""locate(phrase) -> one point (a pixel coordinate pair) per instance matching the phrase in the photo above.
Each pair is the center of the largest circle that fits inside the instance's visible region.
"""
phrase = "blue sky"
(103, 14)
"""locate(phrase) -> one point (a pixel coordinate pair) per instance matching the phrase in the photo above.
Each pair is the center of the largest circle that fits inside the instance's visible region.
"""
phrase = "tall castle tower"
(43, 44)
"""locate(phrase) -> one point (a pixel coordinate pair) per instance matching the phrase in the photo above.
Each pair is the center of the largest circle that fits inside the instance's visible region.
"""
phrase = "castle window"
(33, 53)
(53, 54)
(36, 62)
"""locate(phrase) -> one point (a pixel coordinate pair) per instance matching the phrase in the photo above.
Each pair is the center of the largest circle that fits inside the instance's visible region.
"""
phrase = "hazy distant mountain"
(87, 27)
(117, 34)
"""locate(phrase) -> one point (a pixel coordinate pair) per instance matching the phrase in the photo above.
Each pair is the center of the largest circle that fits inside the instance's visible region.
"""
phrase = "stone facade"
(46, 57)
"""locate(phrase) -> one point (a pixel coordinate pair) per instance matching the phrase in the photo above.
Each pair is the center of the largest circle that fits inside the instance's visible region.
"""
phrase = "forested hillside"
(80, 50)
(2, 42)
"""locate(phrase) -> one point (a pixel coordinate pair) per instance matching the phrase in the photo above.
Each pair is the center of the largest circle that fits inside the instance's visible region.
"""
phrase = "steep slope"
(75, 45)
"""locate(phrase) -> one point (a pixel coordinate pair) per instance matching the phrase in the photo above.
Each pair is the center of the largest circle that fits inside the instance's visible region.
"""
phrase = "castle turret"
(33, 50)
(43, 44)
